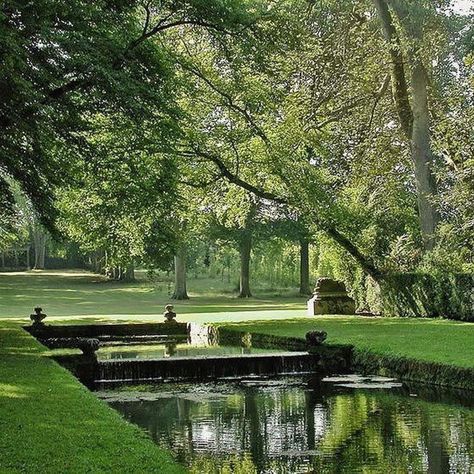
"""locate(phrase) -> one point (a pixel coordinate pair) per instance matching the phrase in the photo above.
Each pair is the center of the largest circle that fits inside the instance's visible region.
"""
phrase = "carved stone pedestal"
(330, 297)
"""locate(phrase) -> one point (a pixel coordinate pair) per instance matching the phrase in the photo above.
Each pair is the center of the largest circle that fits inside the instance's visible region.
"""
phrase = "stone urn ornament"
(169, 314)
(315, 338)
(330, 297)
(37, 317)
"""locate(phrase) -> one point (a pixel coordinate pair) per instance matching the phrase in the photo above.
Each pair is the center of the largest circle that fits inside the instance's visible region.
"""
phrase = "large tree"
(308, 122)
(62, 63)
(411, 95)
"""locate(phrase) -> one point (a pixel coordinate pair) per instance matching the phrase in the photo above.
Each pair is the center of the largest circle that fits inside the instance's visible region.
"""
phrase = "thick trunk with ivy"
(245, 249)
(305, 288)
(180, 291)
(415, 117)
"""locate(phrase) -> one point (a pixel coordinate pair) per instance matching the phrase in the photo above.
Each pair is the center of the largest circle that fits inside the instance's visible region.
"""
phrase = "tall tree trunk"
(245, 251)
(98, 261)
(39, 243)
(28, 263)
(180, 291)
(129, 274)
(414, 119)
(422, 156)
(305, 288)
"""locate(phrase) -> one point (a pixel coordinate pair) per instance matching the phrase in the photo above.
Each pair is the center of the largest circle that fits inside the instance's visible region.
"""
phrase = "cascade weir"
(292, 356)
(201, 368)
(109, 373)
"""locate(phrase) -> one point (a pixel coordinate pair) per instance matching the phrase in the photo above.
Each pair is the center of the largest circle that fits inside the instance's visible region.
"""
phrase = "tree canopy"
(119, 119)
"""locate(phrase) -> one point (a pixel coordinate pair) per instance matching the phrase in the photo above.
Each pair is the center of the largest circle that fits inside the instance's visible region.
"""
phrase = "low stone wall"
(361, 361)
(84, 368)
(109, 330)
(334, 358)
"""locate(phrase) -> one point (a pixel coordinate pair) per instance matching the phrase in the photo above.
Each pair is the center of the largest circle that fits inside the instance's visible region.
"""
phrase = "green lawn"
(50, 423)
(78, 296)
(85, 297)
(431, 340)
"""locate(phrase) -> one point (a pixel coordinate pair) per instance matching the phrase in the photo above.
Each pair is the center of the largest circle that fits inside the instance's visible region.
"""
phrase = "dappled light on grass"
(11, 391)
(81, 295)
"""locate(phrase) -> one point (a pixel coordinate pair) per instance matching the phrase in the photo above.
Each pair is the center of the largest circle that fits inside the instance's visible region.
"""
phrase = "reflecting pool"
(173, 349)
(301, 425)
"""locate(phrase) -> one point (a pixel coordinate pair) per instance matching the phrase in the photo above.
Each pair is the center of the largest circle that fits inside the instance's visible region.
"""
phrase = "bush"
(423, 295)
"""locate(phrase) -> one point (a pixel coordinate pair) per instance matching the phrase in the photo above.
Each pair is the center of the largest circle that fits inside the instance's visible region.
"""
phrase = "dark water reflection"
(301, 426)
(173, 349)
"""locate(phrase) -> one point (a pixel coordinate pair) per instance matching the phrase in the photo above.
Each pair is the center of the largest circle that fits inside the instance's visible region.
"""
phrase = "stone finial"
(330, 297)
(315, 338)
(38, 316)
(169, 314)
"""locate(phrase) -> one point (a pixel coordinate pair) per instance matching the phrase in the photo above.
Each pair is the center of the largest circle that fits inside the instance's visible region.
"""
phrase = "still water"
(301, 425)
(173, 349)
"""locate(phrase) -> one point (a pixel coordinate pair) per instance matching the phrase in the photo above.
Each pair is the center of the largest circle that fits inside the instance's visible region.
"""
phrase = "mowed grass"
(50, 423)
(80, 296)
(431, 340)
(83, 297)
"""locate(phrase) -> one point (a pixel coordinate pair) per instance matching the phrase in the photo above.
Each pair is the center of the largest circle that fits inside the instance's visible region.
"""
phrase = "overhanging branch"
(365, 262)
(77, 83)
(228, 100)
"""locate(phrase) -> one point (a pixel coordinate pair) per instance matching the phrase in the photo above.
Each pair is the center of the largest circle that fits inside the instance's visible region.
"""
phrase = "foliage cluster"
(140, 131)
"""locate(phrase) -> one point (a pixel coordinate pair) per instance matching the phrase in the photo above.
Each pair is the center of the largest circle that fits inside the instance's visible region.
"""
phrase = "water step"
(212, 367)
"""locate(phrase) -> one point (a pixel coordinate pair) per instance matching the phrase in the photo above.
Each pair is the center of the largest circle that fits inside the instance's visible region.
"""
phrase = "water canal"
(347, 424)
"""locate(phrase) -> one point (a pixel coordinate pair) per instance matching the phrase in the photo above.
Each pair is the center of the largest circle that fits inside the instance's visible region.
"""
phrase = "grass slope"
(86, 297)
(430, 340)
(50, 423)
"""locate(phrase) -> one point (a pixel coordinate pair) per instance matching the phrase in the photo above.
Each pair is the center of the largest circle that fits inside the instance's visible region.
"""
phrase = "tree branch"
(201, 184)
(233, 178)
(229, 101)
(161, 26)
(383, 88)
(339, 113)
(365, 262)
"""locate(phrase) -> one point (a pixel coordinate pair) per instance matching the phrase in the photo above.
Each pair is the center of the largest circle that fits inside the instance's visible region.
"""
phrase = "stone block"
(330, 297)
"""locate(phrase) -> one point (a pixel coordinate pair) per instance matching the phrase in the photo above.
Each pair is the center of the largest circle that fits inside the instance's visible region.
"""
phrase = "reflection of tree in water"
(170, 349)
(393, 434)
(255, 426)
(288, 429)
